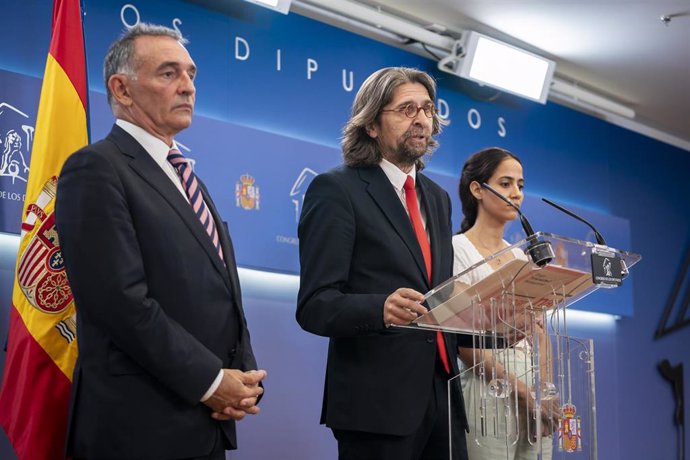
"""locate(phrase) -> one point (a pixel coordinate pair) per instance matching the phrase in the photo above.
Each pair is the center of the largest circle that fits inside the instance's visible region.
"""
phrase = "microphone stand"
(540, 252)
(597, 235)
(600, 239)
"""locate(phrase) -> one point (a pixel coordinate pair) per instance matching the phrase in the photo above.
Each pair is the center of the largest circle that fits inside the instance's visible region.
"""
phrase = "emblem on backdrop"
(16, 140)
(247, 193)
(299, 188)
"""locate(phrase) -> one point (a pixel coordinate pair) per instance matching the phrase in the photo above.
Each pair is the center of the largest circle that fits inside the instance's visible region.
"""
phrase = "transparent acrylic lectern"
(529, 382)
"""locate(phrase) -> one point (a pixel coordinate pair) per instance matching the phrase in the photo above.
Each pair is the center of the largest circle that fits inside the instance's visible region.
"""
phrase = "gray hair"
(120, 56)
(360, 149)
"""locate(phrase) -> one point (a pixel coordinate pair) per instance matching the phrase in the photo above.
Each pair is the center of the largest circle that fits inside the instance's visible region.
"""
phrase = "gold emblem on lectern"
(569, 430)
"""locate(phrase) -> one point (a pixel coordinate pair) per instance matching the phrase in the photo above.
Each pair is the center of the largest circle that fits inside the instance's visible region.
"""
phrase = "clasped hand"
(237, 394)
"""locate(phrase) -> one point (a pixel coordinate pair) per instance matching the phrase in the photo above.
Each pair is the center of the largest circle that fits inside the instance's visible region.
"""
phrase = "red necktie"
(416, 218)
(190, 184)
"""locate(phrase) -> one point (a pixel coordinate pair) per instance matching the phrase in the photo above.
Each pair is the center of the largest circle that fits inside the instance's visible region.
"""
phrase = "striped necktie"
(190, 184)
(418, 226)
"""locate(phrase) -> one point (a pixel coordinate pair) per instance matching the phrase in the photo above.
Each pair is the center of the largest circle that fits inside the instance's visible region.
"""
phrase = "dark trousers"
(217, 453)
(429, 442)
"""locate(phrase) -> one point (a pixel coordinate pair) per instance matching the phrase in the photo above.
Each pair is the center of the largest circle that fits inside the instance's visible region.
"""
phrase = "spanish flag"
(42, 345)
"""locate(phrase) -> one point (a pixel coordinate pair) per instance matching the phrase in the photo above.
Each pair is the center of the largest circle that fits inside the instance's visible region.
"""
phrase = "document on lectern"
(519, 284)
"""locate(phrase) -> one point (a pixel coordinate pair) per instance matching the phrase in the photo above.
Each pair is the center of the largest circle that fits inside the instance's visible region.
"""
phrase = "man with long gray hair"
(165, 363)
(374, 235)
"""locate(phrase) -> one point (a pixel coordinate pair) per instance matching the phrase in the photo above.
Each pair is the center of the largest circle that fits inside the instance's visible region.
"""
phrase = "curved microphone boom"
(600, 239)
(597, 235)
(541, 252)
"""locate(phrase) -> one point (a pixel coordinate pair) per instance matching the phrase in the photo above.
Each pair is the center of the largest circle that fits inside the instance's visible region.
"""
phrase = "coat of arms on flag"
(41, 270)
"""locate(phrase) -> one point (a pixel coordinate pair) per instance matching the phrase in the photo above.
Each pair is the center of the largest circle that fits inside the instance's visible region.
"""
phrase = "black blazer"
(357, 246)
(158, 313)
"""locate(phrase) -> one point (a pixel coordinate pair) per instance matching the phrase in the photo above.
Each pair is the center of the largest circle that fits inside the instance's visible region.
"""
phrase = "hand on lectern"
(403, 306)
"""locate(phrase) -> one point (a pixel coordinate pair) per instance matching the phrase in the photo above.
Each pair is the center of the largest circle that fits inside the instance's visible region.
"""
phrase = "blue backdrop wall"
(273, 94)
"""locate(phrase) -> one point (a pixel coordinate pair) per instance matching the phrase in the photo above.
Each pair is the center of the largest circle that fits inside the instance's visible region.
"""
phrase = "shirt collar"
(153, 145)
(395, 175)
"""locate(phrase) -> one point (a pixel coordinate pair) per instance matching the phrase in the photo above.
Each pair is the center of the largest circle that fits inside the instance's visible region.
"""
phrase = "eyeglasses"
(411, 110)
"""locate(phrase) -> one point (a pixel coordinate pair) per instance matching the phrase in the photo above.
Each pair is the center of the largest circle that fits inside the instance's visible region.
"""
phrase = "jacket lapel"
(142, 164)
(432, 214)
(382, 192)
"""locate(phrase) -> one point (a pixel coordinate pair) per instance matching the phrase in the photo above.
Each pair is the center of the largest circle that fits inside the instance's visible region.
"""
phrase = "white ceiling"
(618, 48)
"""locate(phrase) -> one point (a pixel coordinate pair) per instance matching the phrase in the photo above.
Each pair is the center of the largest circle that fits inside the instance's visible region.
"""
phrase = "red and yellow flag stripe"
(42, 345)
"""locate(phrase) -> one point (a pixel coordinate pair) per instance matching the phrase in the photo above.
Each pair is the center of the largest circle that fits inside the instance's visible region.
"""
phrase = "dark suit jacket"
(158, 314)
(357, 246)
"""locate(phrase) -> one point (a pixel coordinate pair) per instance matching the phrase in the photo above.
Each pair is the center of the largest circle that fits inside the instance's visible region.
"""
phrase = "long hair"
(360, 149)
(479, 167)
(120, 56)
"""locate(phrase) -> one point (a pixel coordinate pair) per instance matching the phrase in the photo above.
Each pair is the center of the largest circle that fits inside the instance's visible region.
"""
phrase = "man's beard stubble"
(408, 155)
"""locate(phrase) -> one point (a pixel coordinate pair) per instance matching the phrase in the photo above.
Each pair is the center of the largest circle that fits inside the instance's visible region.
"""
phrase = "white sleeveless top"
(465, 254)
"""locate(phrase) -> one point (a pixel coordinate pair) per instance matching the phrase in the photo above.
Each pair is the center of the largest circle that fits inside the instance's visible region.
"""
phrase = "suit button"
(430, 340)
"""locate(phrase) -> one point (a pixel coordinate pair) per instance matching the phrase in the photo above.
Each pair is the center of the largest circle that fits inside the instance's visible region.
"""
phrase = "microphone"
(597, 235)
(540, 251)
(600, 239)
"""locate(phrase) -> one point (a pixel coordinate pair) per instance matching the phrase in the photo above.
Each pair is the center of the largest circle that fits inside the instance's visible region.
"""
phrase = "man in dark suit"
(374, 235)
(165, 363)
